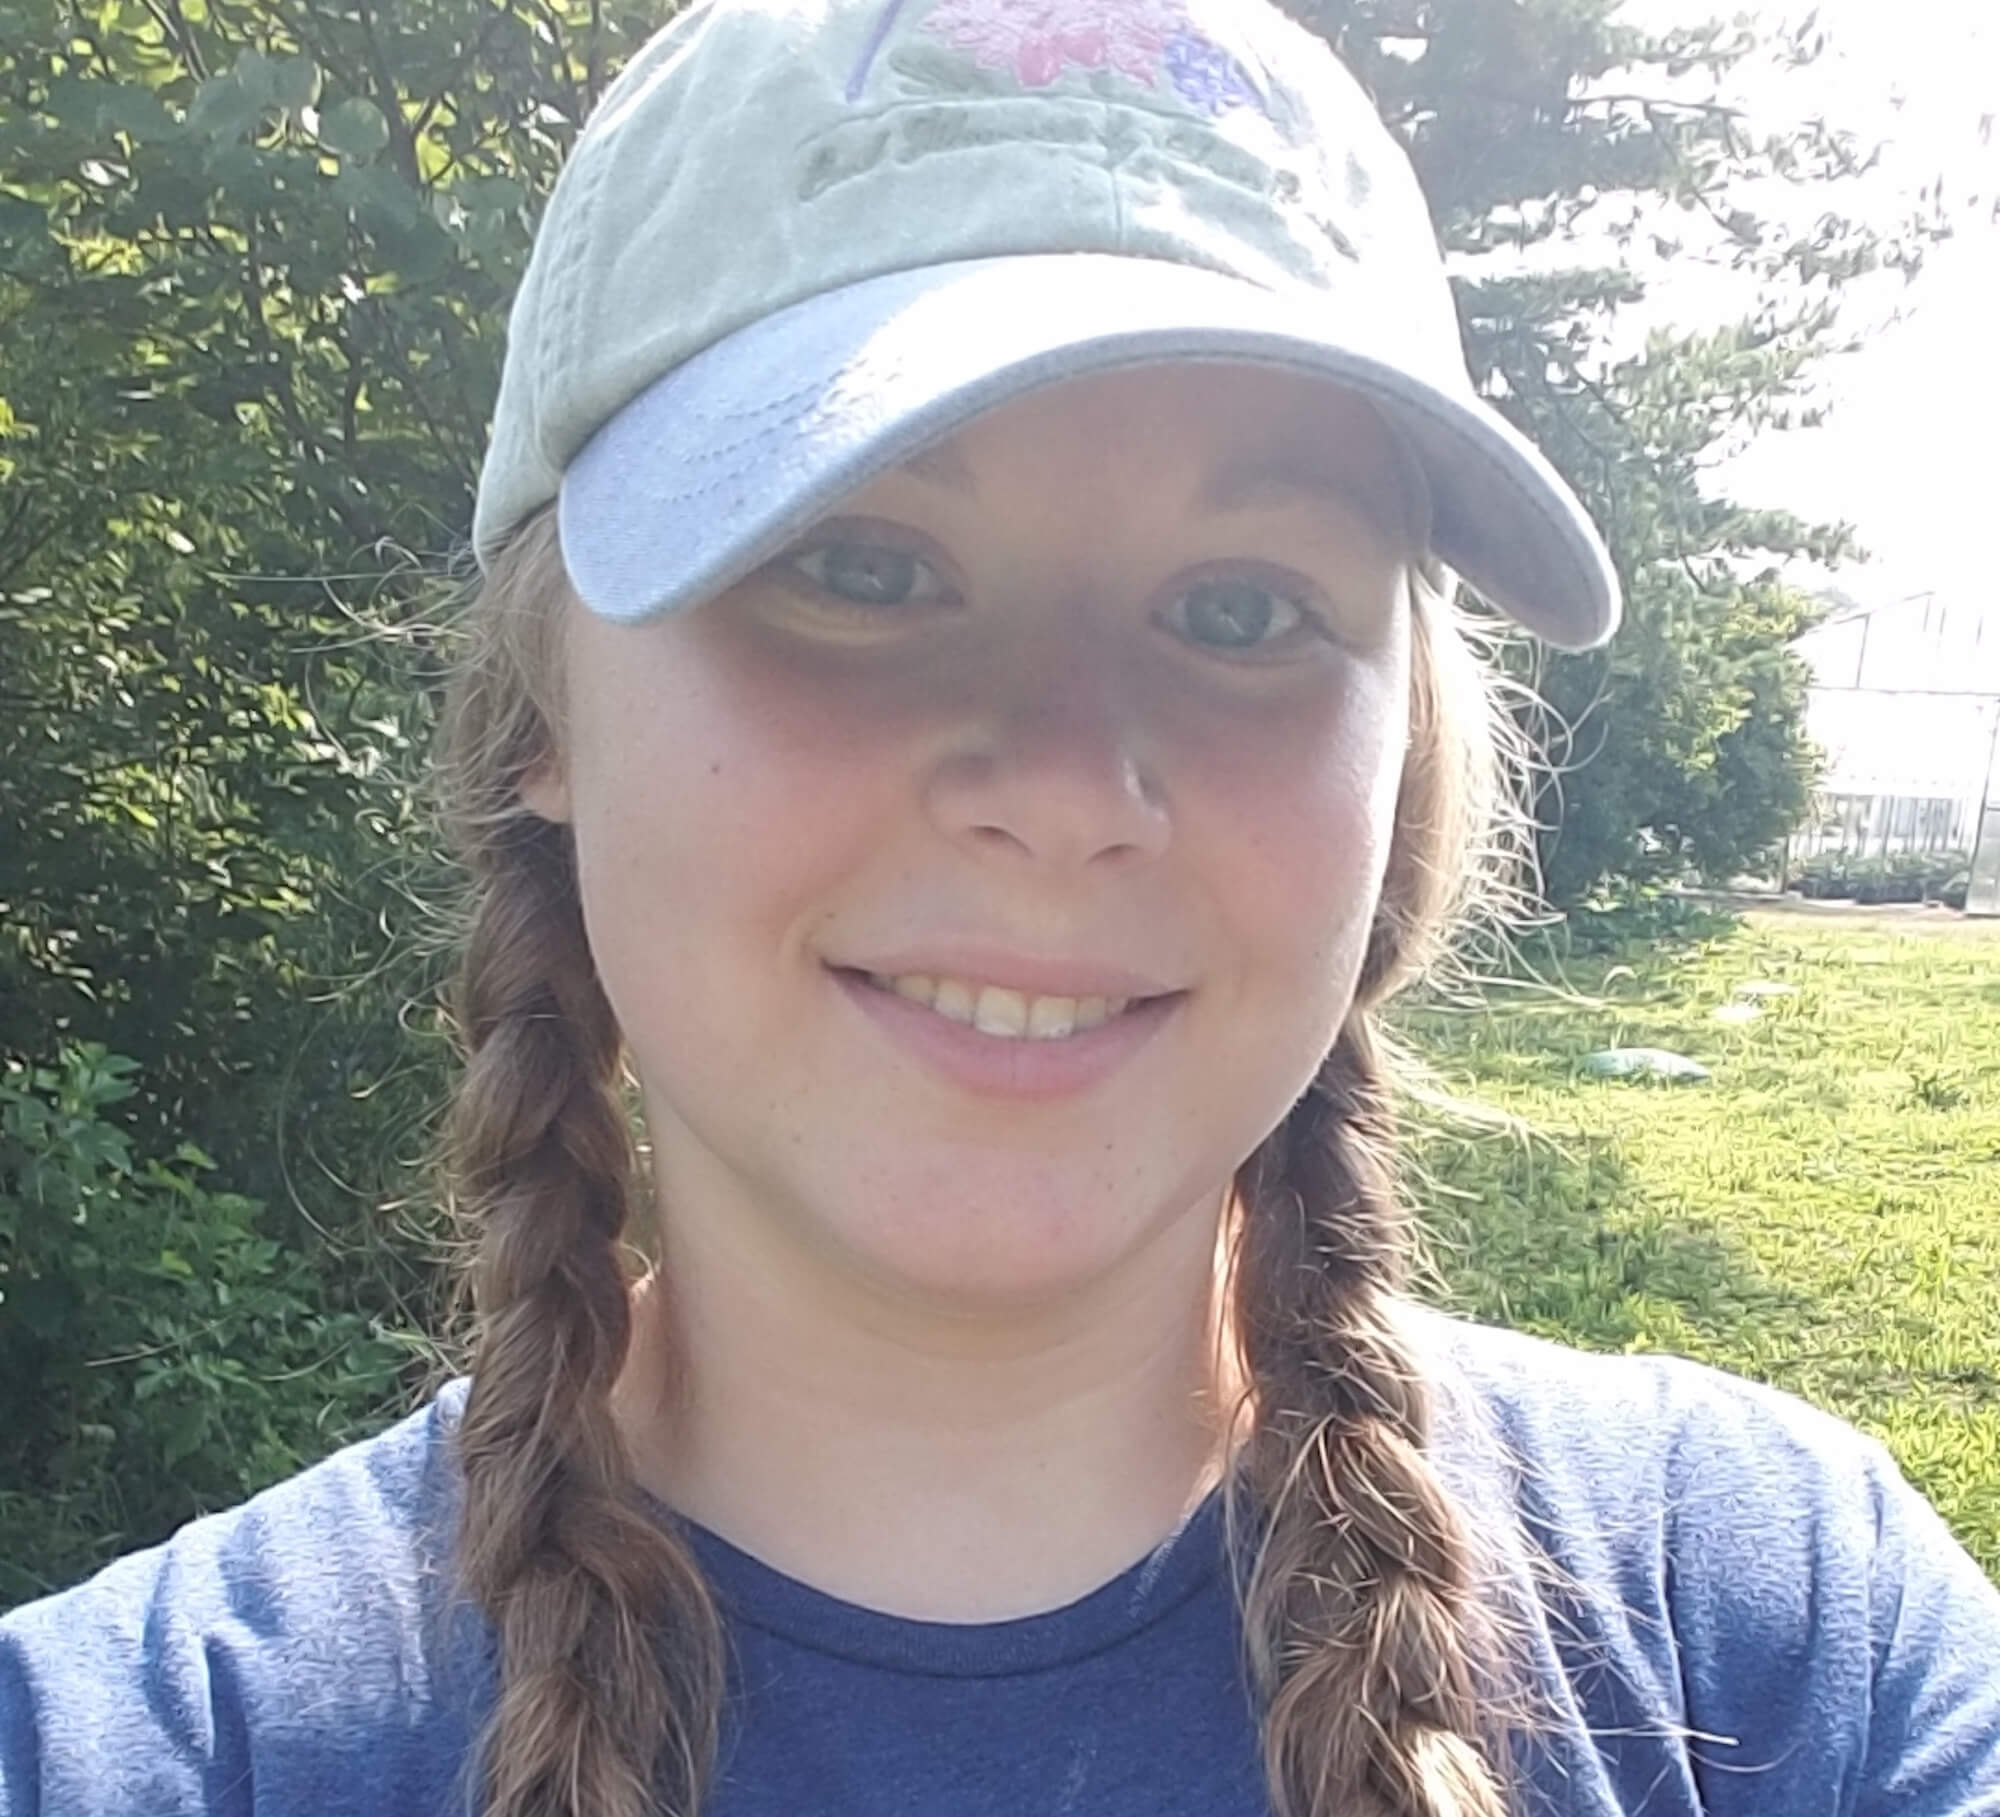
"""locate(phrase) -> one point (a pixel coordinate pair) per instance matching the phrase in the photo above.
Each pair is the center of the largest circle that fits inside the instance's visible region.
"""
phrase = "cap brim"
(713, 469)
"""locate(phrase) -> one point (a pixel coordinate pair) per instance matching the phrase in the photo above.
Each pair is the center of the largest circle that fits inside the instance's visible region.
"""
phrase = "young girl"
(964, 714)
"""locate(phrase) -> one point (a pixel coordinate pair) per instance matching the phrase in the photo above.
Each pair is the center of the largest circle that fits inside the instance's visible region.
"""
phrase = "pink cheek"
(1303, 808)
(742, 797)
(805, 759)
(1307, 866)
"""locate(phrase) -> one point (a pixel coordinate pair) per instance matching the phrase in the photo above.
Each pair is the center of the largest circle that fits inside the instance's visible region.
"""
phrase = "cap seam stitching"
(569, 307)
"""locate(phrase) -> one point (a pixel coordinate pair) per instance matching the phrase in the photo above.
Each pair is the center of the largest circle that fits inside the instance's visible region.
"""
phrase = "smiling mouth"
(993, 1009)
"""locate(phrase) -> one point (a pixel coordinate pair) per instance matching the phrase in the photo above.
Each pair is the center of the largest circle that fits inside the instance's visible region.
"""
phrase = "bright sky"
(1911, 453)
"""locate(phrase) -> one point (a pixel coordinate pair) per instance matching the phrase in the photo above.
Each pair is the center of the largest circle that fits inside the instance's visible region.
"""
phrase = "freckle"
(715, 768)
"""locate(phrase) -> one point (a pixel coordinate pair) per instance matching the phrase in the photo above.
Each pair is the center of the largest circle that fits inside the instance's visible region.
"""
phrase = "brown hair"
(1366, 1636)
(610, 1677)
(1360, 1612)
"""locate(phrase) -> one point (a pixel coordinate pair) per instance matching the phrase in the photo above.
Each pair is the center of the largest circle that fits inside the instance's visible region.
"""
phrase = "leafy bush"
(1615, 924)
(159, 1354)
(1823, 876)
(1681, 749)
(1891, 877)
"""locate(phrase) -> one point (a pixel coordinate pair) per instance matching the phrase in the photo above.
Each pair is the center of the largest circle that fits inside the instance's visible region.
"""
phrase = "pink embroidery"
(1038, 39)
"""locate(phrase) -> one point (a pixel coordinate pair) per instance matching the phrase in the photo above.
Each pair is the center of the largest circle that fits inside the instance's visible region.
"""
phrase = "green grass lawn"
(1823, 1215)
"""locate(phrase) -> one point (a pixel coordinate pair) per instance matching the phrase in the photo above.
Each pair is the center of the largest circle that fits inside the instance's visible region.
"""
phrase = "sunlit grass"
(1824, 1215)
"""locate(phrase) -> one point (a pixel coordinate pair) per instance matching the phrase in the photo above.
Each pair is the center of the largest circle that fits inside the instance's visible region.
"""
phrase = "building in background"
(1905, 704)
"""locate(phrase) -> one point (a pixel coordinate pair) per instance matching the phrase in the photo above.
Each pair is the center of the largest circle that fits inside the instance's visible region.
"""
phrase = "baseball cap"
(800, 240)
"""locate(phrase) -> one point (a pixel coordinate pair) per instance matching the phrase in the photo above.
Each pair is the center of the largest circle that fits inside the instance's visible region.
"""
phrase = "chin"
(1005, 1243)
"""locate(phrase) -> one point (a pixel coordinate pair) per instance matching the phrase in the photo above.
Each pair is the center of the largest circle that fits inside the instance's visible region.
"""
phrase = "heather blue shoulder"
(1738, 1599)
(300, 1653)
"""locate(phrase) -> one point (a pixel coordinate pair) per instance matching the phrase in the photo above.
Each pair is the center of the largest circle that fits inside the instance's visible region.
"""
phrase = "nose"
(1050, 762)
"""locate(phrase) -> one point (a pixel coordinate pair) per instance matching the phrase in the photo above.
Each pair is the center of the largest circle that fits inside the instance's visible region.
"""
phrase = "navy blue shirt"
(1129, 1703)
(1727, 1603)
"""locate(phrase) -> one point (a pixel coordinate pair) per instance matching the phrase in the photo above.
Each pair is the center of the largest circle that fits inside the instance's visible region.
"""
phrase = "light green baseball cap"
(800, 240)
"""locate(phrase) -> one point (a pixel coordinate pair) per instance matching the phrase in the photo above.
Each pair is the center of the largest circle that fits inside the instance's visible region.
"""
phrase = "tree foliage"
(1541, 124)
(156, 1335)
(254, 262)
(253, 271)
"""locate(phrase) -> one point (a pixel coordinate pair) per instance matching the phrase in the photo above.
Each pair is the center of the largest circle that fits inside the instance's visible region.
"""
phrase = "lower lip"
(1000, 1066)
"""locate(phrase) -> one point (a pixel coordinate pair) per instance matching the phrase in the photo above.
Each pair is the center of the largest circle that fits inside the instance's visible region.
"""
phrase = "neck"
(945, 1463)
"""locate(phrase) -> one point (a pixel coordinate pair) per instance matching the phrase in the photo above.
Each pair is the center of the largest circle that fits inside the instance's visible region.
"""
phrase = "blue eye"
(1237, 614)
(870, 574)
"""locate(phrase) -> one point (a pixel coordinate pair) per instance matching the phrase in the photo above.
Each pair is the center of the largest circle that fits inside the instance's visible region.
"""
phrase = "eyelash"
(938, 592)
(1307, 620)
(1284, 592)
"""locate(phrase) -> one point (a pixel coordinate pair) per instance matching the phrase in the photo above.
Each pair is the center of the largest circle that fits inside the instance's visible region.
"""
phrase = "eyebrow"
(1273, 483)
(1265, 483)
(942, 466)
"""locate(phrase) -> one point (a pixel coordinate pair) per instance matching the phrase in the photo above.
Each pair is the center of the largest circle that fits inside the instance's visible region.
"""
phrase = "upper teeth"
(994, 1010)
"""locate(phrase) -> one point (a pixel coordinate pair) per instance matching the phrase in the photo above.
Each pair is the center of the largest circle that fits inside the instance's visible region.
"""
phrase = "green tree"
(253, 272)
(1535, 123)
(254, 290)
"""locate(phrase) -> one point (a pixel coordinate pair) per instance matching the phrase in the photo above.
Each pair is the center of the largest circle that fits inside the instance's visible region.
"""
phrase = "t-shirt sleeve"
(1934, 1706)
(1830, 1629)
(108, 1701)
(299, 1653)
(1748, 1608)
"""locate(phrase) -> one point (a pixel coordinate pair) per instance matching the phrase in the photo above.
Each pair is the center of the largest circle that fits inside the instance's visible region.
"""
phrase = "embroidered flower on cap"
(1036, 40)
(1207, 76)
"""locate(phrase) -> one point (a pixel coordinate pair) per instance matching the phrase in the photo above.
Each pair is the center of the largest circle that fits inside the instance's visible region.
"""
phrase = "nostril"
(998, 836)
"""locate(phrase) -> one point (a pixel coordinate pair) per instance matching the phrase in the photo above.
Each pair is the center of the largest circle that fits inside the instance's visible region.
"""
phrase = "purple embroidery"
(870, 51)
(1207, 76)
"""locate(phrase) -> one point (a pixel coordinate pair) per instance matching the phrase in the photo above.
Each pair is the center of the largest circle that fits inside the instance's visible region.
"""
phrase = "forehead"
(1220, 438)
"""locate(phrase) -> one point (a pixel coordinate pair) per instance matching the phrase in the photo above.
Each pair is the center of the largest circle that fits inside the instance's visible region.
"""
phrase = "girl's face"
(1101, 703)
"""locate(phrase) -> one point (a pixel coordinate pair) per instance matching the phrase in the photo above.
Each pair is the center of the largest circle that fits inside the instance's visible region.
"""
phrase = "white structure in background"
(1905, 702)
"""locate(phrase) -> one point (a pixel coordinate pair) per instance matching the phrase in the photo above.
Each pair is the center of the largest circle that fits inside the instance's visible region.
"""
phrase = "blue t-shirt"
(1728, 1603)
